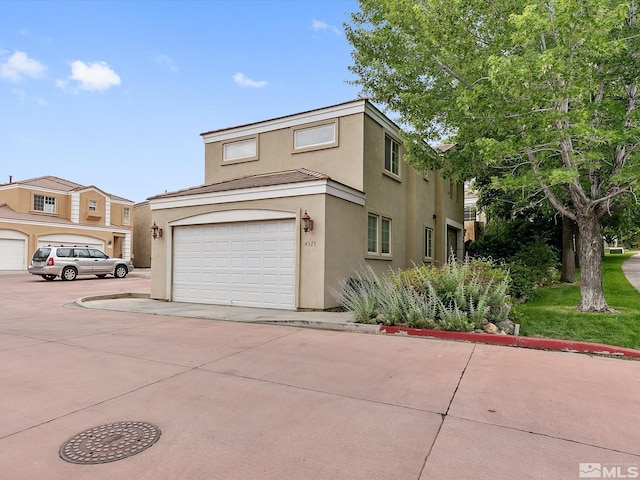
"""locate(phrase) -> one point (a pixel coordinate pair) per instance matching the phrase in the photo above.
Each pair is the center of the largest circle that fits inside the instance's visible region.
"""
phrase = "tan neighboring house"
(291, 205)
(474, 219)
(53, 211)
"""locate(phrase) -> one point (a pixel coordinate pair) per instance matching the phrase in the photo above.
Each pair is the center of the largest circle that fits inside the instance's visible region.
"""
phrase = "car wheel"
(121, 271)
(48, 277)
(102, 275)
(69, 273)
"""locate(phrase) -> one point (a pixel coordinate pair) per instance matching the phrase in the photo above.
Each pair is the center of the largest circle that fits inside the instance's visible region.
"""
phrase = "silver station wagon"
(69, 262)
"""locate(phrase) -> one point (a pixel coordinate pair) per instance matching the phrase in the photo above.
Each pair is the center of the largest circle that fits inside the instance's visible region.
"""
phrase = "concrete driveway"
(247, 401)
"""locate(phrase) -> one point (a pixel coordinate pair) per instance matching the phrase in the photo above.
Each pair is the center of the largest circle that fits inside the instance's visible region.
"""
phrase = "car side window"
(81, 252)
(63, 252)
(97, 253)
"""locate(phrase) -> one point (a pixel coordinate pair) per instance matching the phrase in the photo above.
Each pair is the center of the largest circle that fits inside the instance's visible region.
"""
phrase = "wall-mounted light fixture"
(307, 223)
(156, 231)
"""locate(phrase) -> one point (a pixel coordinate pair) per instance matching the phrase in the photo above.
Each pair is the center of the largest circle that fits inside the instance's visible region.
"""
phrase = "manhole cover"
(109, 443)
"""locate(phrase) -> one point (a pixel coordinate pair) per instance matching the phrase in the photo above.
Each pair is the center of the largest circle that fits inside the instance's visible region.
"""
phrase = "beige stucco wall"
(342, 162)
(141, 235)
(345, 242)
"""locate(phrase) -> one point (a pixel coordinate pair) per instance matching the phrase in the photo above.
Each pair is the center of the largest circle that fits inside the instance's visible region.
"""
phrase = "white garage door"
(12, 254)
(248, 264)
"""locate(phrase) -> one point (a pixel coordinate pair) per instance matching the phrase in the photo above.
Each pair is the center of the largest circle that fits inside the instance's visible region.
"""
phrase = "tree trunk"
(591, 252)
(568, 252)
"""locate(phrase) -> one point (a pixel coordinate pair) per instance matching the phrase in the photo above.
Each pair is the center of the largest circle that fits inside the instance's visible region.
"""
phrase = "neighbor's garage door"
(12, 254)
(246, 263)
(70, 240)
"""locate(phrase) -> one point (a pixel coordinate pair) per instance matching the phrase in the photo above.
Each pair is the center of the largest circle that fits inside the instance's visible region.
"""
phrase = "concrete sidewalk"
(238, 400)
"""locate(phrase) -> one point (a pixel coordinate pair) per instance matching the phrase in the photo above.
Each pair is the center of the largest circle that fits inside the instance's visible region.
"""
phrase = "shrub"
(457, 296)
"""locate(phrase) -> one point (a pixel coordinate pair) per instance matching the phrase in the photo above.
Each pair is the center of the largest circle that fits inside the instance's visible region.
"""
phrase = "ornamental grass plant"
(460, 296)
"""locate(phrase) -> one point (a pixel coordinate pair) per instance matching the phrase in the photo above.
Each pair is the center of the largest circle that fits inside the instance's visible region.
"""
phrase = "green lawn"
(552, 312)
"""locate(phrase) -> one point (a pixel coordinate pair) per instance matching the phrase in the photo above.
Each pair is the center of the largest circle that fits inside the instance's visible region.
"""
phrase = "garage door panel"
(248, 263)
(12, 254)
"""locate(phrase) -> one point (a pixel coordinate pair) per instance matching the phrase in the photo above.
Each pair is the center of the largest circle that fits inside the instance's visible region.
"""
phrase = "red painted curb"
(524, 342)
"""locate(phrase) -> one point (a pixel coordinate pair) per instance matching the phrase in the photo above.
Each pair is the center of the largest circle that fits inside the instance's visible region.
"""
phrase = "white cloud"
(167, 61)
(243, 81)
(319, 25)
(92, 77)
(19, 65)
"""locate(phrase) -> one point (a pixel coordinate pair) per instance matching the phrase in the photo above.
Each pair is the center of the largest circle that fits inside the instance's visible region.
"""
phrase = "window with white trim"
(93, 205)
(318, 136)
(391, 156)
(378, 235)
(126, 216)
(469, 213)
(428, 242)
(43, 203)
(241, 150)
(372, 234)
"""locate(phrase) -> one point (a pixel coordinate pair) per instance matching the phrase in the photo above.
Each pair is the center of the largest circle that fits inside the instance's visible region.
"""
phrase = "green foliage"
(359, 295)
(456, 296)
(531, 261)
(539, 98)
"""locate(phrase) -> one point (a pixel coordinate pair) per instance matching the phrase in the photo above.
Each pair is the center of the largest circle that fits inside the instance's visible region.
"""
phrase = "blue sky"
(115, 94)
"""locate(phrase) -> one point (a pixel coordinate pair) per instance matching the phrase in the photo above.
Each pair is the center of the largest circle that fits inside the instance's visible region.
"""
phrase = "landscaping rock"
(490, 328)
(506, 326)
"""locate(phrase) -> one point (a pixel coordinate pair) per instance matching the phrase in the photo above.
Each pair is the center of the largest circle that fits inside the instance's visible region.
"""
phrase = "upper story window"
(317, 136)
(391, 156)
(242, 150)
(469, 214)
(126, 216)
(93, 205)
(42, 203)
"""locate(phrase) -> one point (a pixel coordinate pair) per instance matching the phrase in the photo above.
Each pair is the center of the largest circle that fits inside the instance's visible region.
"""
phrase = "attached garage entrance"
(249, 264)
(13, 250)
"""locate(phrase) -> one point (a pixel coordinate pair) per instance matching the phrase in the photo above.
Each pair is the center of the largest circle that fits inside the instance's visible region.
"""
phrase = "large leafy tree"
(541, 94)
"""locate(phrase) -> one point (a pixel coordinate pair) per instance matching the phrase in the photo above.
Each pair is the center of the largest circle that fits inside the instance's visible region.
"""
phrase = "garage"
(13, 250)
(248, 264)
(83, 240)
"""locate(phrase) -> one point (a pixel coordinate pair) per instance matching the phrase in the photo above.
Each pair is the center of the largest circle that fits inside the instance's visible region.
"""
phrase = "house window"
(385, 233)
(242, 150)
(378, 234)
(428, 242)
(42, 203)
(315, 136)
(469, 214)
(93, 205)
(372, 234)
(391, 156)
(126, 216)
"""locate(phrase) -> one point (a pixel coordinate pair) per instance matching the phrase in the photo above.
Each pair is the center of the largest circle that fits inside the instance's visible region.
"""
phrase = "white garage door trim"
(13, 250)
(250, 263)
(61, 239)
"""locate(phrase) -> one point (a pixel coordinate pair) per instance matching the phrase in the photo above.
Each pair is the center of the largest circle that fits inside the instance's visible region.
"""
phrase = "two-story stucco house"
(291, 205)
(53, 211)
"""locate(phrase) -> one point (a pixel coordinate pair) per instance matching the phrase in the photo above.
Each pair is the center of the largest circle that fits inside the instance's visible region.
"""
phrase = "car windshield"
(41, 254)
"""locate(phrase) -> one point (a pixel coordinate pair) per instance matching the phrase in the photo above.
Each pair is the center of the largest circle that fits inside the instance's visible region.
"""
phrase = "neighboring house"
(245, 236)
(50, 210)
(474, 219)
